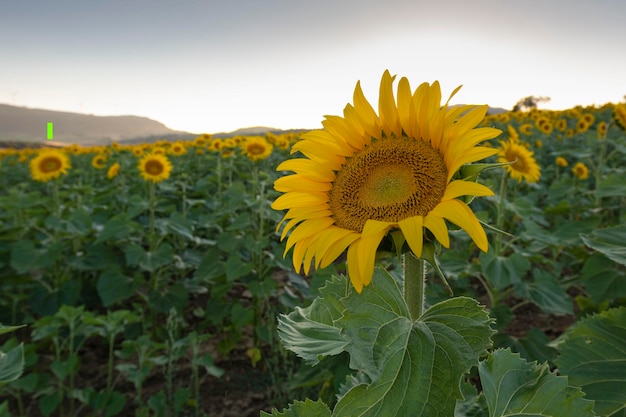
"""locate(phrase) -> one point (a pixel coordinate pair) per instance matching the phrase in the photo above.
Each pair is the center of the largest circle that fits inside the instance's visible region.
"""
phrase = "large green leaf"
(593, 356)
(113, 286)
(611, 186)
(406, 368)
(611, 242)
(603, 278)
(305, 408)
(514, 387)
(310, 332)
(546, 293)
(502, 271)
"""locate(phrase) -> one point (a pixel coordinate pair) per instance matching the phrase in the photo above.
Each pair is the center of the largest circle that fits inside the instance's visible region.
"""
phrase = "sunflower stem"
(500, 212)
(414, 283)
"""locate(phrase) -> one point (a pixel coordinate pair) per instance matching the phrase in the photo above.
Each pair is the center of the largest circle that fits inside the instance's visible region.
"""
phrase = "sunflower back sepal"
(470, 172)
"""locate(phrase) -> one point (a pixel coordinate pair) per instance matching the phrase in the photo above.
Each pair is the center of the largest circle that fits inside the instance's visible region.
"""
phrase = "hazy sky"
(209, 66)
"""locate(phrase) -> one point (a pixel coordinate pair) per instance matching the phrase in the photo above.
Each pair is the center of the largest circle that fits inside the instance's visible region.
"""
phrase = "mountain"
(22, 124)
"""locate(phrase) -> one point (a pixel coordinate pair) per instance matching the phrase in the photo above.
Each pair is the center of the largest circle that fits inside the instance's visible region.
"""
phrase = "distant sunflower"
(99, 161)
(619, 114)
(526, 129)
(155, 167)
(603, 127)
(113, 170)
(582, 125)
(524, 165)
(137, 151)
(177, 149)
(215, 145)
(256, 148)
(561, 125)
(581, 171)
(560, 161)
(49, 164)
(365, 174)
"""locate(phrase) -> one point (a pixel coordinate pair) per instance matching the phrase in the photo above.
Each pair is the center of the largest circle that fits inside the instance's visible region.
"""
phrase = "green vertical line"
(50, 130)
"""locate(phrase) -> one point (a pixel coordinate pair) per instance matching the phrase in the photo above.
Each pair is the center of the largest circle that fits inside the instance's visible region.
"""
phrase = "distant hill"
(22, 124)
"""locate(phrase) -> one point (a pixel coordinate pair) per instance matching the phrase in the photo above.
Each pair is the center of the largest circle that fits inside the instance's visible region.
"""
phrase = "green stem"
(414, 283)
(110, 364)
(500, 211)
(152, 199)
(598, 171)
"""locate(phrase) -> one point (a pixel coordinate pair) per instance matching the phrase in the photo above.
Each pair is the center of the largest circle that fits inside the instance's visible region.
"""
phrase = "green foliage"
(593, 356)
(404, 367)
(514, 387)
(305, 408)
(611, 242)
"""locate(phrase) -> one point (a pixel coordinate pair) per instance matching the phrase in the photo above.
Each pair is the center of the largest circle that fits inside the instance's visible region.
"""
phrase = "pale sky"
(208, 66)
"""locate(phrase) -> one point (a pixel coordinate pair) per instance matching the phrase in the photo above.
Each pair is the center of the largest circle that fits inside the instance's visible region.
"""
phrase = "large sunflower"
(49, 164)
(155, 167)
(524, 166)
(366, 174)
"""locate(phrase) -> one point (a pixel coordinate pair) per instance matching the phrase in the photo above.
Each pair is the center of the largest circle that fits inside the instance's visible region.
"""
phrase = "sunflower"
(49, 164)
(524, 166)
(365, 174)
(113, 170)
(619, 114)
(256, 148)
(99, 161)
(177, 149)
(582, 125)
(526, 129)
(215, 145)
(603, 127)
(581, 171)
(560, 161)
(155, 167)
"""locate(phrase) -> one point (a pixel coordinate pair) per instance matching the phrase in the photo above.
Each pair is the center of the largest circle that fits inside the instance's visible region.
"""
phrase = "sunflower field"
(146, 280)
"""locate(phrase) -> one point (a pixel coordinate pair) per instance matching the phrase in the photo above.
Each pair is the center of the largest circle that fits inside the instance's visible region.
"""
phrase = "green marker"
(50, 130)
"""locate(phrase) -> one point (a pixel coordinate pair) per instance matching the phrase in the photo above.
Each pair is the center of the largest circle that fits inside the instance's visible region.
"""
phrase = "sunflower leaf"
(415, 367)
(593, 356)
(310, 332)
(514, 387)
(609, 242)
(307, 408)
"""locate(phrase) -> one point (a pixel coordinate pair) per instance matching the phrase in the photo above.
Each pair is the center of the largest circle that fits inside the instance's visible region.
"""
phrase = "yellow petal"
(373, 233)
(473, 155)
(353, 267)
(460, 214)
(312, 213)
(340, 128)
(365, 113)
(412, 229)
(332, 252)
(307, 228)
(299, 199)
(307, 168)
(387, 106)
(458, 188)
(438, 228)
(297, 182)
(405, 105)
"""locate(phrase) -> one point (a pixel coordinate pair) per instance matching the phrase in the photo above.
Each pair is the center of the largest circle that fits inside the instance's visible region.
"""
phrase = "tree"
(529, 102)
